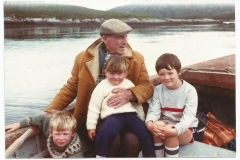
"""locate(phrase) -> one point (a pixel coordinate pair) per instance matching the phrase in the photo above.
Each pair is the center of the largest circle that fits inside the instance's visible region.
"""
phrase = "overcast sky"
(108, 4)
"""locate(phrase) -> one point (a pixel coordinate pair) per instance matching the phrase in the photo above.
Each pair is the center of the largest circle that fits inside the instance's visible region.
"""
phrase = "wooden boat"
(215, 84)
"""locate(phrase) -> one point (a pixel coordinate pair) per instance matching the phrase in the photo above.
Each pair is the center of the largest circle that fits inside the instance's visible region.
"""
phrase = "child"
(63, 141)
(116, 118)
(171, 116)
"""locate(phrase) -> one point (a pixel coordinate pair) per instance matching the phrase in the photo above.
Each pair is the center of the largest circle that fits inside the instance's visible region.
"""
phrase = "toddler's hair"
(61, 121)
(116, 64)
(168, 61)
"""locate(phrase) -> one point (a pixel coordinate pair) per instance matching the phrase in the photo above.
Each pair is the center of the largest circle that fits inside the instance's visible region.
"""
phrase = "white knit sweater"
(98, 103)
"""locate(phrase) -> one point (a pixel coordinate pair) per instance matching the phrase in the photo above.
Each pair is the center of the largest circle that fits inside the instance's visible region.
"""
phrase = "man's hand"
(121, 97)
(91, 134)
(12, 127)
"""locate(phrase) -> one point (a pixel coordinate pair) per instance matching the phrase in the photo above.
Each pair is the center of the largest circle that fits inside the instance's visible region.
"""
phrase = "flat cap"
(114, 27)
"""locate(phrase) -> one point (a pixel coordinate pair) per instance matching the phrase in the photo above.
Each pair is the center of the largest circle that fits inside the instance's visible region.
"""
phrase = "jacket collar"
(93, 63)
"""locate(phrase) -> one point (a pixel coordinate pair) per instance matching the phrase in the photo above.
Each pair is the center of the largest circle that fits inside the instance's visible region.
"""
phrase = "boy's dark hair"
(168, 61)
(116, 64)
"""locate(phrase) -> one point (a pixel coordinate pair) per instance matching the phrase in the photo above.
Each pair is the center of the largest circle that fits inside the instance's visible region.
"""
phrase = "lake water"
(38, 61)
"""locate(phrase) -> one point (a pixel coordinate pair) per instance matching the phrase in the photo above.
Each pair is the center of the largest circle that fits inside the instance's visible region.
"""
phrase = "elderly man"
(87, 72)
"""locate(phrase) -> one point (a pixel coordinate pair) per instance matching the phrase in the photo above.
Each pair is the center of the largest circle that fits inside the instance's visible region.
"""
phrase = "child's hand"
(91, 134)
(48, 114)
(12, 127)
(157, 128)
(150, 126)
(154, 129)
(159, 131)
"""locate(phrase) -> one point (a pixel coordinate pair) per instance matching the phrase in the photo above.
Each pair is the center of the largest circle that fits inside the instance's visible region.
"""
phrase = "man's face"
(115, 43)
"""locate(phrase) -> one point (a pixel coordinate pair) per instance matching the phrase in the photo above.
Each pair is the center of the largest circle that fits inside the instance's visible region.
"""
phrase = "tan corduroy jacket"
(84, 75)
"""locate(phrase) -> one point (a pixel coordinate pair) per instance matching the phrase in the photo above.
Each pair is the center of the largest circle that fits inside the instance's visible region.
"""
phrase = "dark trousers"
(114, 124)
(125, 144)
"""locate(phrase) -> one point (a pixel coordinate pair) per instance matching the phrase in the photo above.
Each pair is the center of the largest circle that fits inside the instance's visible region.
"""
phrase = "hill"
(23, 9)
(17, 13)
(219, 11)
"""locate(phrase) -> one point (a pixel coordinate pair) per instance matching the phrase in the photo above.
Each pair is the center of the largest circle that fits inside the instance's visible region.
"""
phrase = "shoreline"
(134, 24)
(53, 22)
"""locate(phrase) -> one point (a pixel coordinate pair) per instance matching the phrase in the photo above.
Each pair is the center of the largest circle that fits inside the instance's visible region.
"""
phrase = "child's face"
(115, 78)
(62, 138)
(170, 78)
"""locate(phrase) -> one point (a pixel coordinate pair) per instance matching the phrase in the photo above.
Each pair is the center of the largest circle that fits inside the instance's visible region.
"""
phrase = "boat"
(215, 83)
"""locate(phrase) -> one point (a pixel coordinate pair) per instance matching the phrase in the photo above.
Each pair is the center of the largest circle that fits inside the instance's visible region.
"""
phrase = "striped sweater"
(177, 107)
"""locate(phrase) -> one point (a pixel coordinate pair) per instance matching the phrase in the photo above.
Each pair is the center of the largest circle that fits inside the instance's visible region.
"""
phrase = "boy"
(116, 118)
(63, 141)
(171, 116)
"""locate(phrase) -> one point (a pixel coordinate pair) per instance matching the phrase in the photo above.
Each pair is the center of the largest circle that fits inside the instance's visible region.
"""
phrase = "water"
(38, 61)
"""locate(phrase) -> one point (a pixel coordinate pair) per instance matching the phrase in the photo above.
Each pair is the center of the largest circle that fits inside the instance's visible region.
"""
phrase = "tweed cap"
(114, 27)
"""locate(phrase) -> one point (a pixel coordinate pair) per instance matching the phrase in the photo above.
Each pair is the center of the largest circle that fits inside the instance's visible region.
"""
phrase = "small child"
(115, 119)
(60, 128)
(171, 116)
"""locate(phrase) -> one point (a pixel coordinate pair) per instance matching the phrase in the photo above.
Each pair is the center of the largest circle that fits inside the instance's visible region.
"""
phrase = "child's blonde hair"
(116, 64)
(61, 121)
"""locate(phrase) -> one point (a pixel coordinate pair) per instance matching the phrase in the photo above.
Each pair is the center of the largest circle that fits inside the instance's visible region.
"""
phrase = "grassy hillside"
(41, 10)
(217, 11)
(223, 16)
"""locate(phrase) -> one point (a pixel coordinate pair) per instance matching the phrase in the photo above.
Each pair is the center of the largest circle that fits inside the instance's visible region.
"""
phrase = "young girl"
(63, 141)
(171, 116)
(116, 118)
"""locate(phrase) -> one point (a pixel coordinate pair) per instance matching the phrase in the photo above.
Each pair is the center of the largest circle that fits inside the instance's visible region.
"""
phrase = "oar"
(17, 143)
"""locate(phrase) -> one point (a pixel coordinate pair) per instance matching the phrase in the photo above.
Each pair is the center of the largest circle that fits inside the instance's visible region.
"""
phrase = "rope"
(207, 69)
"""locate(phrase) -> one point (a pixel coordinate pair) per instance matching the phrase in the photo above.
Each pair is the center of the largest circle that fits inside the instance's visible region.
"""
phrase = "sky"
(109, 4)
